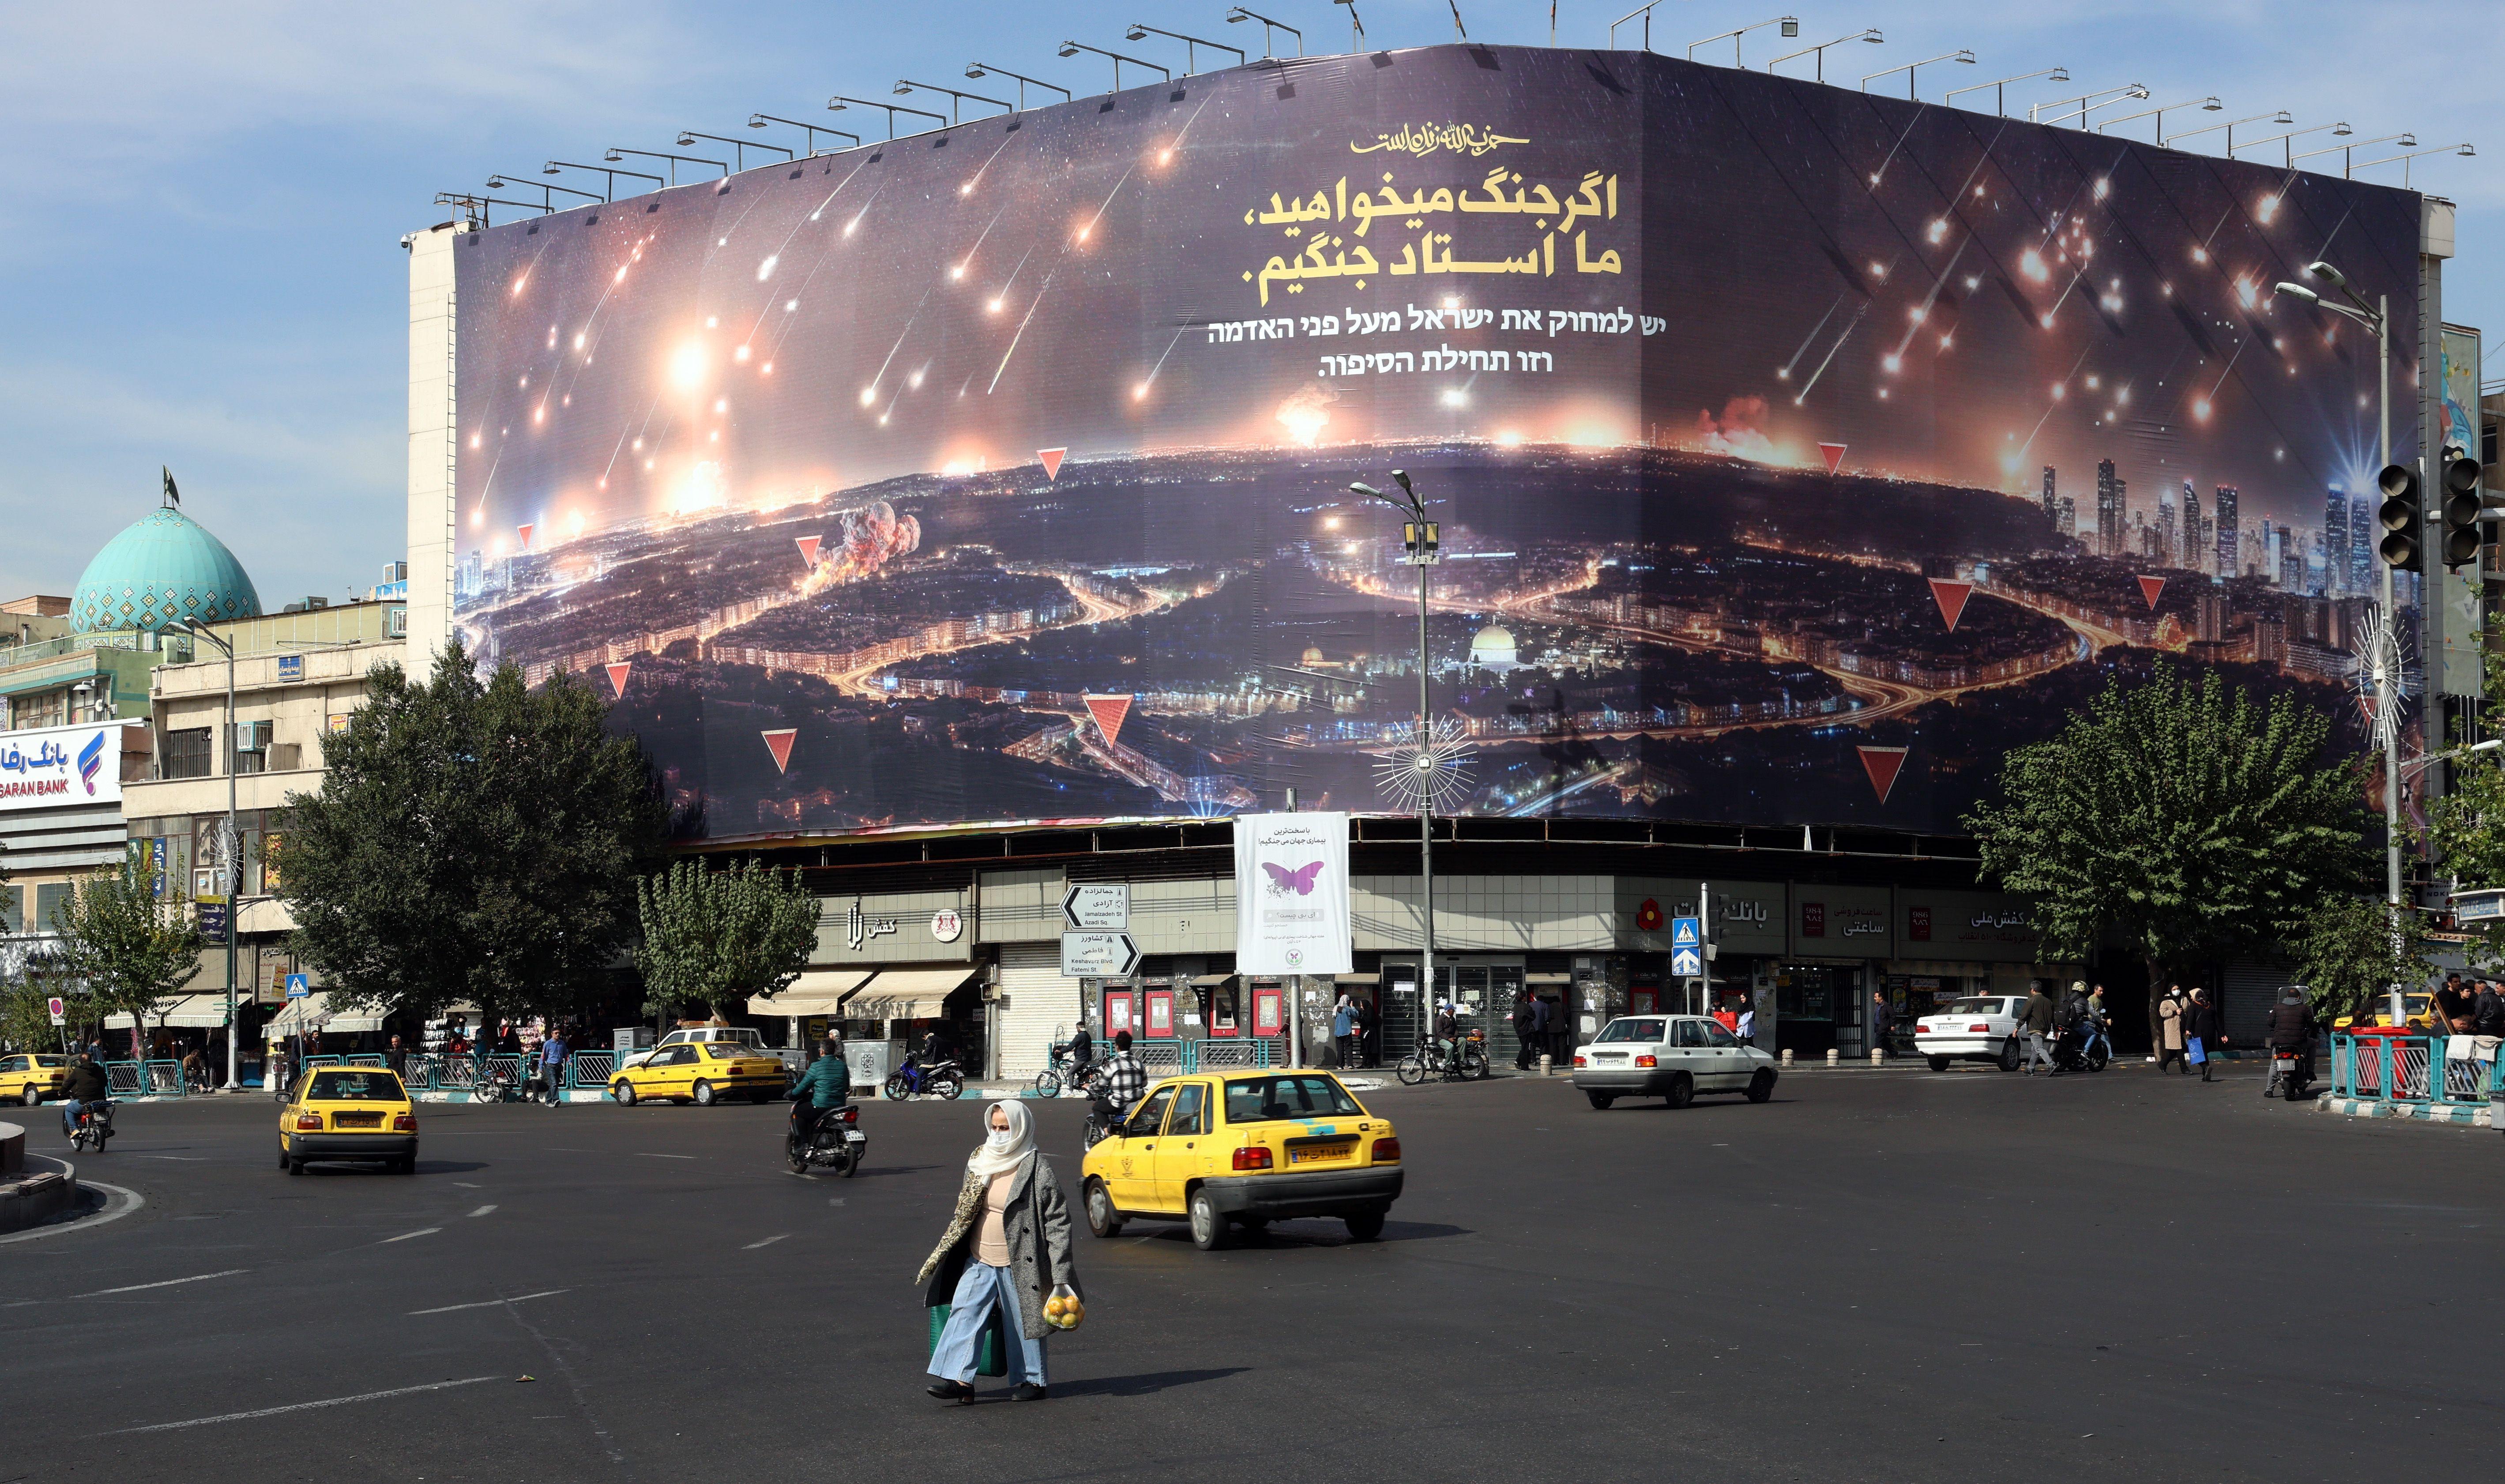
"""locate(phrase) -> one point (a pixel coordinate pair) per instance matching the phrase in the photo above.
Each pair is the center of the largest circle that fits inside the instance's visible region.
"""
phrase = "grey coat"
(1037, 1223)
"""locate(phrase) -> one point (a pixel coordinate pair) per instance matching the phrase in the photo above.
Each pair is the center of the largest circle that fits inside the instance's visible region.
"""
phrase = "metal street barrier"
(2396, 1069)
(124, 1079)
(589, 1069)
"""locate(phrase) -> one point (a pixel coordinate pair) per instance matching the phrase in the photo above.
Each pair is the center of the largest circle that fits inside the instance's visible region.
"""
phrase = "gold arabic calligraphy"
(1328, 255)
(1423, 139)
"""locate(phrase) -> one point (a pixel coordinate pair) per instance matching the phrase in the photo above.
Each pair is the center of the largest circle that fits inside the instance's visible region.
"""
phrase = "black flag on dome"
(173, 496)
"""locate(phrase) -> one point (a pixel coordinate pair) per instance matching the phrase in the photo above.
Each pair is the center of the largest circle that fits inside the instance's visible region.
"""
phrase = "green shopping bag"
(991, 1351)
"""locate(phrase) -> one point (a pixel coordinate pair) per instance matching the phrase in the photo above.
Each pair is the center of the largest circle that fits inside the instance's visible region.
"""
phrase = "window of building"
(189, 753)
(12, 915)
(42, 708)
(50, 898)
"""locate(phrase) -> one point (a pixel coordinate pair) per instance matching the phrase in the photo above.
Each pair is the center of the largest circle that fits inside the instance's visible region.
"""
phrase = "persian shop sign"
(53, 767)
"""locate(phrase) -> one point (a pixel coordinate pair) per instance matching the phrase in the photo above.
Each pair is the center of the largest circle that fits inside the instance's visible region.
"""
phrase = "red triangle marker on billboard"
(526, 535)
(1834, 457)
(808, 550)
(2150, 587)
(1883, 763)
(1951, 596)
(1109, 711)
(779, 743)
(1051, 461)
(617, 678)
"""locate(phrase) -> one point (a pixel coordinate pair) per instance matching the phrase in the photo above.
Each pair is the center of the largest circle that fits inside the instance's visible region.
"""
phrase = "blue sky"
(203, 266)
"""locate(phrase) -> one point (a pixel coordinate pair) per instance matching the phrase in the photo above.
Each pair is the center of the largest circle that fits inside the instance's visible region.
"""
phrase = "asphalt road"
(1876, 1276)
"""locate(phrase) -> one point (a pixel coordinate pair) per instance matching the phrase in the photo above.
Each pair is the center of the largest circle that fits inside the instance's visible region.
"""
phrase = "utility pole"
(234, 852)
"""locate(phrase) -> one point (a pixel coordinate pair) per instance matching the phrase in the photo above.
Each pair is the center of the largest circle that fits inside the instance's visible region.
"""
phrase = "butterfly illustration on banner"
(1299, 881)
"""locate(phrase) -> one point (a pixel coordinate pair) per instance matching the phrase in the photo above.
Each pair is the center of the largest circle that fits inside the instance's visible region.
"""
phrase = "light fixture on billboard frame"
(2088, 103)
(1356, 27)
(547, 197)
(907, 85)
(1789, 23)
(2465, 151)
(809, 133)
(2000, 87)
(1960, 54)
(1869, 34)
(1073, 47)
(738, 147)
(986, 69)
(839, 103)
(2286, 141)
(2277, 115)
(608, 172)
(621, 152)
(2348, 153)
(1141, 31)
(1239, 15)
(2207, 105)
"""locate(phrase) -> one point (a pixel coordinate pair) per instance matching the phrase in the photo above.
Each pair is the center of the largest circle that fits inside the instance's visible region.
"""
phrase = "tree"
(2181, 817)
(132, 952)
(2467, 825)
(717, 936)
(470, 843)
(2347, 956)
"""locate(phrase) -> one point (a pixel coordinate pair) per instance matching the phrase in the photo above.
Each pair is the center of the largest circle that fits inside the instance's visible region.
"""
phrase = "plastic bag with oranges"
(1063, 1310)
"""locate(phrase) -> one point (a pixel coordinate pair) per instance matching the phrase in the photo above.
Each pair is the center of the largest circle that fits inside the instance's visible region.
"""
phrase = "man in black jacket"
(85, 1089)
(2291, 1029)
(2036, 1021)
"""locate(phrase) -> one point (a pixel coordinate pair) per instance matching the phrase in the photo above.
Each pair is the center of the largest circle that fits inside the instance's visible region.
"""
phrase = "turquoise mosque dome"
(164, 569)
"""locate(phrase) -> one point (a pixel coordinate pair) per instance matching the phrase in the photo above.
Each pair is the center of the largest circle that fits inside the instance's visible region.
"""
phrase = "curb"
(2458, 1114)
(38, 1200)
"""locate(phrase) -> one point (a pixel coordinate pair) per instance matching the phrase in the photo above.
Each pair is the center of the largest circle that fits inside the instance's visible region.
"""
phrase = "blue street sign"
(1686, 964)
(1685, 932)
(297, 986)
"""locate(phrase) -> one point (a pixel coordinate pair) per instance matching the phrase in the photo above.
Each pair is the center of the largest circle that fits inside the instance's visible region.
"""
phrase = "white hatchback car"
(1979, 1028)
(1673, 1058)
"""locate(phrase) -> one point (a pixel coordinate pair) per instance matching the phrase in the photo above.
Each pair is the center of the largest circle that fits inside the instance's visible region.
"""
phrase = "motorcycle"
(94, 1127)
(939, 1079)
(837, 1144)
(1103, 1117)
(2290, 1072)
(2083, 1048)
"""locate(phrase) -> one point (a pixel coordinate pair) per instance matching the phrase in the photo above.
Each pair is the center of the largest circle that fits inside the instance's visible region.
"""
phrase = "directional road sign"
(1098, 955)
(1103, 906)
(1686, 963)
(299, 986)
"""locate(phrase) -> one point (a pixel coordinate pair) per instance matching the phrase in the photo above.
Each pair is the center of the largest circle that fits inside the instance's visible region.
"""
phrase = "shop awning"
(314, 1012)
(265, 914)
(905, 994)
(1547, 978)
(187, 1012)
(1357, 978)
(816, 992)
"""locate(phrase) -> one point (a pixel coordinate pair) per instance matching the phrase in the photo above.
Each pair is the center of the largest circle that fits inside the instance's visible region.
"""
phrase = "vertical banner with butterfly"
(1291, 894)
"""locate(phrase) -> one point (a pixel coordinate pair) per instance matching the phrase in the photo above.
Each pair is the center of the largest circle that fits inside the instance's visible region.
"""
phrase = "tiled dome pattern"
(160, 571)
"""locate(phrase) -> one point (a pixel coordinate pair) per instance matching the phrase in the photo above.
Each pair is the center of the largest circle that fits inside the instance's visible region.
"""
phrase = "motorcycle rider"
(2291, 1029)
(83, 1092)
(819, 1090)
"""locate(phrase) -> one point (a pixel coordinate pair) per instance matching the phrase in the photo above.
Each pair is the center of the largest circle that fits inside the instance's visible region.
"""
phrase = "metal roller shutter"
(2252, 987)
(1036, 1005)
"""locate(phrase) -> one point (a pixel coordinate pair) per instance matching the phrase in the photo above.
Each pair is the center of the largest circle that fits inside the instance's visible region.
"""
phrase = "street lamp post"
(234, 842)
(1410, 504)
(1869, 34)
(2377, 317)
(1960, 54)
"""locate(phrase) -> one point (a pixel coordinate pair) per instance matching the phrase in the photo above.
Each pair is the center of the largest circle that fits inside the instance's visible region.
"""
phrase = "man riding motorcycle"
(819, 1090)
(83, 1092)
(2291, 1031)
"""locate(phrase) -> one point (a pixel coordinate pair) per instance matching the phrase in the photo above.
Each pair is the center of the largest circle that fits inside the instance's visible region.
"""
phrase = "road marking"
(466, 1185)
(303, 1406)
(483, 1211)
(768, 1242)
(423, 1231)
(167, 1283)
(186, 1158)
(647, 1154)
(491, 1303)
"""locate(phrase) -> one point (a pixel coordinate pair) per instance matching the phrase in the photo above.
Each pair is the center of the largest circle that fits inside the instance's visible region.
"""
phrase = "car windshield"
(1646, 1030)
(355, 1087)
(1265, 1099)
(1973, 1007)
(725, 1050)
(52, 1061)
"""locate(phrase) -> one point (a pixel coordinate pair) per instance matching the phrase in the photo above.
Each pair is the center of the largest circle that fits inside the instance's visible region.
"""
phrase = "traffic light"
(2403, 515)
(2461, 511)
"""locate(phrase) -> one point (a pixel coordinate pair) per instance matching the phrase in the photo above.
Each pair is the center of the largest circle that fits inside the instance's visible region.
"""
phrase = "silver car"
(1671, 1057)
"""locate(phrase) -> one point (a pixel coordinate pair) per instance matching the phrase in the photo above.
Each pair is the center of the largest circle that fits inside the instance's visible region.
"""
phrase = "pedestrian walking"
(1525, 1030)
(2037, 1022)
(1882, 1021)
(1543, 1020)
(1343, 1030)
(2205, 1034)
(552, 1064)
(397, 1058)
(1005, 1248)
(2171, 1031)
(1748, 1030)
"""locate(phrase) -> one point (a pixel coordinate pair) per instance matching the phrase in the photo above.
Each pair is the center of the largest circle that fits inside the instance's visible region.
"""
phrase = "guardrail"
(2396, 1069)
(590, 1069)
(1233, 1053)
(144, 1079)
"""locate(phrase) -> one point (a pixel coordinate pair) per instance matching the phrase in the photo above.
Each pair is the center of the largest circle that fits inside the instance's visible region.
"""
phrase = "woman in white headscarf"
(1005, 1248)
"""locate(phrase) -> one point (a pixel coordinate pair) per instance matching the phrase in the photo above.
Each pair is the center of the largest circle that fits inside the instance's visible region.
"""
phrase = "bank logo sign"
(49, 767)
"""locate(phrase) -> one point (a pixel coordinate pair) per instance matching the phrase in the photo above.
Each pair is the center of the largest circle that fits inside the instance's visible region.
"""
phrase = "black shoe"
(1028, 1391)
(951, 1391)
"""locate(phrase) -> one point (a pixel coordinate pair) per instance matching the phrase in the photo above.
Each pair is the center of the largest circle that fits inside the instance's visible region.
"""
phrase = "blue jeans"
(980, 1289)
(70, 1114)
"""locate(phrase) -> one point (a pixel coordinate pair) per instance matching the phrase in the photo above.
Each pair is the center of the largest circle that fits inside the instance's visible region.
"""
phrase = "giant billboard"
(1794, 452)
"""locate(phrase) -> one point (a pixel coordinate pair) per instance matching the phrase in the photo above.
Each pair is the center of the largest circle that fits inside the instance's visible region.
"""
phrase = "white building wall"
(432, 443)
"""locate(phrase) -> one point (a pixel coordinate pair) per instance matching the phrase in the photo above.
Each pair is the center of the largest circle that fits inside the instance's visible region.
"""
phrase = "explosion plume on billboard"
(881, 468)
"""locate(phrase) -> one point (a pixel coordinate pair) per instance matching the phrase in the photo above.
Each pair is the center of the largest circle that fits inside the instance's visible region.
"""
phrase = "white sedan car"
(1673, 1058)
(1980, 1028)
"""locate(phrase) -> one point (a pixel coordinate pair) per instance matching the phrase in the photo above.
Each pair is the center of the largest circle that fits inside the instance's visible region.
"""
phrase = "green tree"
(470, 843)
(2347, 957)
(131, 953)
(2180, 817)
(717, 936)
(2466, 827)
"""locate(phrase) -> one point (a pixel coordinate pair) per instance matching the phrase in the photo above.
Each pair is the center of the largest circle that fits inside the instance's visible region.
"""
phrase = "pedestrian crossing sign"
(299, 986)
(1685, 932)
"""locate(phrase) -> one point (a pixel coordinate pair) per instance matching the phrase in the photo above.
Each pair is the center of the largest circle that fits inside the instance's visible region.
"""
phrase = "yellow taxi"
(1246, 1147)
(348, 1114)
(2418, 1014)
(702, 1072)
(33, 1076)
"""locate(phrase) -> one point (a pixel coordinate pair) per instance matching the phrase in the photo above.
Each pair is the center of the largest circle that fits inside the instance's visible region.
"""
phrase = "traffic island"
(34, 1190)
(2460, 1114)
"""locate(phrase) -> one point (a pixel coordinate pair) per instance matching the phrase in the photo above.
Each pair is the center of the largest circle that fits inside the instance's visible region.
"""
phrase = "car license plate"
(1322, 1153)
(1612, 1058)
(358, 1120)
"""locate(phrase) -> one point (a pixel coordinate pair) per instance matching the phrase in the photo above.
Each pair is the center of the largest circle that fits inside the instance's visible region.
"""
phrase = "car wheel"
(624, 1091)
(295, 1166)
(1363, 1226)
(1207, 1227)
(1761, 1086)
(1102, 1219)
(32, 1097)
(406, 1164)
(282, 1156)
(1601, 1100)
(1682, 1091)
(1938, 1063)
(701, 1094)
(2008, 1060)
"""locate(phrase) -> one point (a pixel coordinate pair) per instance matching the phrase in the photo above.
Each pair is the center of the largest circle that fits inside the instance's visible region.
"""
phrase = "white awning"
(905, 994)
(314, 1012)
(816, 992)
(267, 914)
(188, 1011)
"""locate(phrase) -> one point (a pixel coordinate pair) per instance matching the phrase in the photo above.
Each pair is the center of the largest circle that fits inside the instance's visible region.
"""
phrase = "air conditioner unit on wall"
(253, 737)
